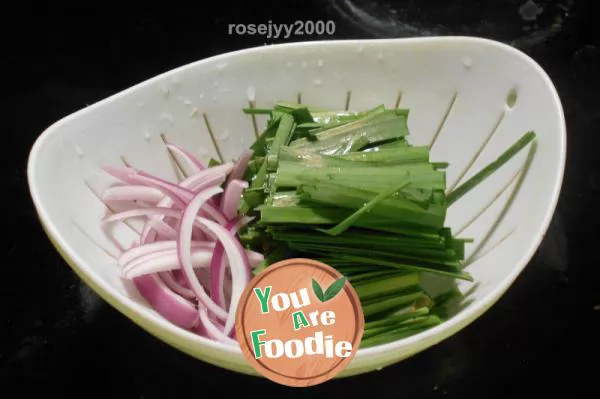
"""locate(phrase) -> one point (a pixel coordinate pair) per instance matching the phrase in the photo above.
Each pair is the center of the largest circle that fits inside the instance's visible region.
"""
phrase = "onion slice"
(240, 273)
(163, 261)
(192, 161)
(189, 243)
(132, 193)
(168, 304)
(231, 198)
(218, 263)
(168, 260)
(241, 165)
(195, 183)
(120, 173)
(174, 285)
(178, 194)
(155, 247)
(184, 249)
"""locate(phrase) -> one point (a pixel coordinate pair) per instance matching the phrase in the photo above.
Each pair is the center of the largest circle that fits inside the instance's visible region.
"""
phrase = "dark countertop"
(56, 333)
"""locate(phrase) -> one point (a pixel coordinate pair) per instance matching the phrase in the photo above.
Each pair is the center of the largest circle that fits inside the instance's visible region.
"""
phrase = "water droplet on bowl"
(467, 62)
(214, 98)
(320, 63)
(176, 81)
(380, 56)
(224, 136)
(202, 151)
(187, 101)
(165, 91)
(79, 151)
(304, 64)
(147, 136)
(289, 64)
(318, 82)
(141, 105)
(216, 84)
(221, 66)
(251, 93)
(201, 96)
(361, 48)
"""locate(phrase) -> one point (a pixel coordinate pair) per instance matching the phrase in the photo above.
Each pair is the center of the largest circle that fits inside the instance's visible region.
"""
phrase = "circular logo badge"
(299, 322)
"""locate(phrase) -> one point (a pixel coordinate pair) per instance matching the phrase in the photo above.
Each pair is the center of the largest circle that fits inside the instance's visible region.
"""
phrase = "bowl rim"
(161, 328)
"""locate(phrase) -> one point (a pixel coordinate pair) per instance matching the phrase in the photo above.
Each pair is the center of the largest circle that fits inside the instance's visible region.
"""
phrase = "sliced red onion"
(213, 176)
(237, 262)
(196, 183)
(156, 221)
(200, 329)
(185, 253)
(194, 225)
(231, 198)
(218, 264)
(142, 212)
(213, 331)
(174, 285)
(198, 235)
(240, 223)
(132, 193)
(227, 288)
(148, 235)
(203, 274)
(164, 261)
(168, 304)
(194, 162)
(217, 286)
(241, 165)
(141, 250)
(158, 225)
(214, 213)
(178, 195)
(167, 260)
(255, 259)
(161, 227)
(180, 278)
(121, 173)
(206, 182)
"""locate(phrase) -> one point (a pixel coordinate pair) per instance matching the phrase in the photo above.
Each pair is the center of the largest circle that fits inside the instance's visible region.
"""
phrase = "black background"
(542, 337)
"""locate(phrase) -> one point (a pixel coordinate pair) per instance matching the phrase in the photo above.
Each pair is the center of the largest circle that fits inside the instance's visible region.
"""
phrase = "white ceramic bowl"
(462, 88)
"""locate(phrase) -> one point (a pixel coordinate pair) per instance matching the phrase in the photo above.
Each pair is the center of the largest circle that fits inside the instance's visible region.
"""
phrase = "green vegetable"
(491, 168)
(346, 223)
(348, 189)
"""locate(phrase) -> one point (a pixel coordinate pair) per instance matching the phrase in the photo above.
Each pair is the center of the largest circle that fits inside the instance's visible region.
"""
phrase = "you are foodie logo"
(299, 322)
